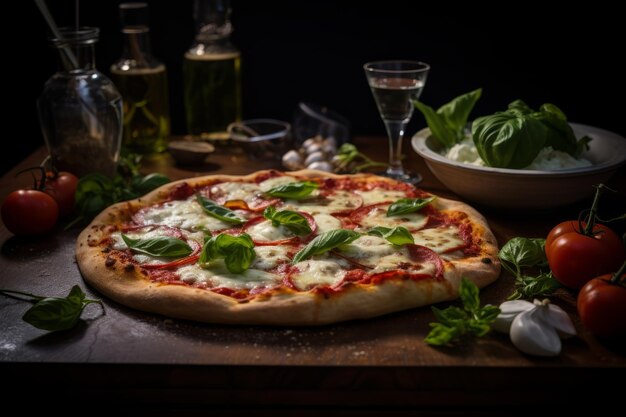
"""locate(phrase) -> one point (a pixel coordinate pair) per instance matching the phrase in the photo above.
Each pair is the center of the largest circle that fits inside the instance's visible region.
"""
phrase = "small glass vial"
(80, 110)
(211, 74)
(142, 80)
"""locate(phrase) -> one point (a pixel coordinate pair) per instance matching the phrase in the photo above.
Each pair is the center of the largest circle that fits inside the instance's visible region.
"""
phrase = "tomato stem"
(591, 219)
(615, 279)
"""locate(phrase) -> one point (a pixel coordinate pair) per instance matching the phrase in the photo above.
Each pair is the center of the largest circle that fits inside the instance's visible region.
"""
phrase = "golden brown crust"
(283, 307)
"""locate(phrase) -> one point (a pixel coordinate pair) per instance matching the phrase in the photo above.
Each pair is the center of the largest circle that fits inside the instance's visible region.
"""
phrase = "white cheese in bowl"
(548, 159)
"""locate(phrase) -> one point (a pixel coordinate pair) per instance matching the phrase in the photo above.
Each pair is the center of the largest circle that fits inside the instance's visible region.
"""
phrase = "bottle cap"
(212, 18)
(134, 17)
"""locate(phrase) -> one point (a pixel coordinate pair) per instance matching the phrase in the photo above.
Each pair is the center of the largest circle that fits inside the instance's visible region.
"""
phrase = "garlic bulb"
(292, 160)
(535, 328)
(321, 165)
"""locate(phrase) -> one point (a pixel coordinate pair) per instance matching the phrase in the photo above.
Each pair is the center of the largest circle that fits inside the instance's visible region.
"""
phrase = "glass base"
(407, 176)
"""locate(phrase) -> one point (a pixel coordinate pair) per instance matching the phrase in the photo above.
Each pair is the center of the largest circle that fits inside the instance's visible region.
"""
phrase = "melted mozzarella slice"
(440, 240)
(378, 217)
(228, 191)
(275, 182)
(336, 202)
(313, 273)
(326, 222)
(185, 214)
(380, 196)
(268, 257)
(264, 231)
(369, 249)
(217, 276)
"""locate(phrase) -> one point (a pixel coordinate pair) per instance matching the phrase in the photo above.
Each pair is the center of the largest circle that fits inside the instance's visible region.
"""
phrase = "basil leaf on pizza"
(399, 235)
(162, 246)
(325, 242)
(408, 205)
(237, 252)
(222, 213)
(293, 190)
(294, 221)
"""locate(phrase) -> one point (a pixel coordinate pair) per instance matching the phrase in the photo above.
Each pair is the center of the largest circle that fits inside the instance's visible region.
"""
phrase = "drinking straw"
(55, 31)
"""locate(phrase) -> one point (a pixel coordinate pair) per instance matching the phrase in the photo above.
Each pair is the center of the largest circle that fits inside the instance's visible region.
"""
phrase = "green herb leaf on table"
(349, 160)
(293, 190)
(447, 124)
(54, 313)
(237, 252)
(163, 246)
(399, 235)
(408, 205)
(325, 242)
(522, 255)
(292, 220)
(455, 323)
(214, 210)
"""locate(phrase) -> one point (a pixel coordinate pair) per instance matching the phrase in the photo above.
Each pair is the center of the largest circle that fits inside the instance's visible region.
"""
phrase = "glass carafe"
(80, 110)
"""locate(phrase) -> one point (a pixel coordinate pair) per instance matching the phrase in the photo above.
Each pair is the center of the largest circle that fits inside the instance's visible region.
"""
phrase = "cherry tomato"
(63, 189)
(575, 258)
(29, 212)
(602, 307)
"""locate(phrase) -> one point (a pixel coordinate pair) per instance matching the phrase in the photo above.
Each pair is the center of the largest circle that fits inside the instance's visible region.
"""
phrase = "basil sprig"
(237, 252)
(399, 235)
(408, 205)
(292, 220)
(522, 257)
(214, 210)
(54, 313)
(455, 323)
(162, 246)
(325, 242)
(293, 190)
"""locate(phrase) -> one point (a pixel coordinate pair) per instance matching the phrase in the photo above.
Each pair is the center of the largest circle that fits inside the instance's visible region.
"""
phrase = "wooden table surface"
(363, 367)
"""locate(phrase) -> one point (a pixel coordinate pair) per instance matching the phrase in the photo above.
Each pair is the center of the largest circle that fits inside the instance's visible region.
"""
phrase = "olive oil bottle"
(142, 81)
(212, 74)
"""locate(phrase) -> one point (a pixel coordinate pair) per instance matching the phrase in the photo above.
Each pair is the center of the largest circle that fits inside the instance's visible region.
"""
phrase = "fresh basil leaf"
(437, 124)
(237, 252)
(399, 235)
(521, 252)
(456, 112)
(293, 190)
(143, 185)
(162, 246)
(53, 314)
(455, 322)
(468, 293)
(325, 242)
(408, 205)
(76, 295)
(214, 210)
(529, 287)
(294, 221)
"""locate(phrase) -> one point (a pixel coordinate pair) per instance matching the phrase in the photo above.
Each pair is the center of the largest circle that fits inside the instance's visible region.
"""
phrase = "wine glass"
(395, 84)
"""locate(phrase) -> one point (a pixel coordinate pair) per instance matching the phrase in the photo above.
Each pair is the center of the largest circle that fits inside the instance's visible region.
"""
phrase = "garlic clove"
(321, 165)
(508, 311)
(532, 335)
(314, 157)
(292, 160)
(314, 148)
(309, 142)
(556, 317)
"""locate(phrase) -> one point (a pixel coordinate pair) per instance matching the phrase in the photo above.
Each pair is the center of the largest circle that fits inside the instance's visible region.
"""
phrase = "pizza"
(298, 248)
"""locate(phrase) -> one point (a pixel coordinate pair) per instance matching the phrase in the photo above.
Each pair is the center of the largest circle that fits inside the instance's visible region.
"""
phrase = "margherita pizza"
(303, 248)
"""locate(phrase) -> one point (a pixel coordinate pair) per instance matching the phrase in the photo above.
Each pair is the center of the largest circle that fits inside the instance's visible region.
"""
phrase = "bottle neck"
(77, 58)
(137, 47)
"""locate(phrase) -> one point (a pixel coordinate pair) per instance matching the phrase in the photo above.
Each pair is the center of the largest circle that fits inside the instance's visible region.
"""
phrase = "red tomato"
(602, 307)
(575, 258)
(29, 212)
(63, 189)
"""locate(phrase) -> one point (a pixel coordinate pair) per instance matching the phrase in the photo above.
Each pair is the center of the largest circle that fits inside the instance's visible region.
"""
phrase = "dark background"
(314, 51)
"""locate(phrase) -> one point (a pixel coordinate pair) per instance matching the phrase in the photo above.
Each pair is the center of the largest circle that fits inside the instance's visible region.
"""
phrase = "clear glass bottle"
(80, 110)
(142, 80)
(211, 73)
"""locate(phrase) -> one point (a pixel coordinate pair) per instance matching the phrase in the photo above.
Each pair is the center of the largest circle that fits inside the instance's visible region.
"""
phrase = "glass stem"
(395, 131)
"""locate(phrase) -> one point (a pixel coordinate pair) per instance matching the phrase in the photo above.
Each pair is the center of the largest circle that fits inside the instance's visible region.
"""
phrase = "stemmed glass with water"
(395, 84)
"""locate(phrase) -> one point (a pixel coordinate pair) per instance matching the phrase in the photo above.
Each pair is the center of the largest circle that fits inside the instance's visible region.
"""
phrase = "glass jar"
(211, 74)
(80, 110)
(142, 80)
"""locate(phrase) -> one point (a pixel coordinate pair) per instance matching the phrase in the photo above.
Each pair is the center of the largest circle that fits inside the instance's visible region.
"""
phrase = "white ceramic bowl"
(526, 189)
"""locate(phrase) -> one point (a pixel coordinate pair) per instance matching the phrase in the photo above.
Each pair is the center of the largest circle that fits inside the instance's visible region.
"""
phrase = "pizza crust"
(284, 306)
